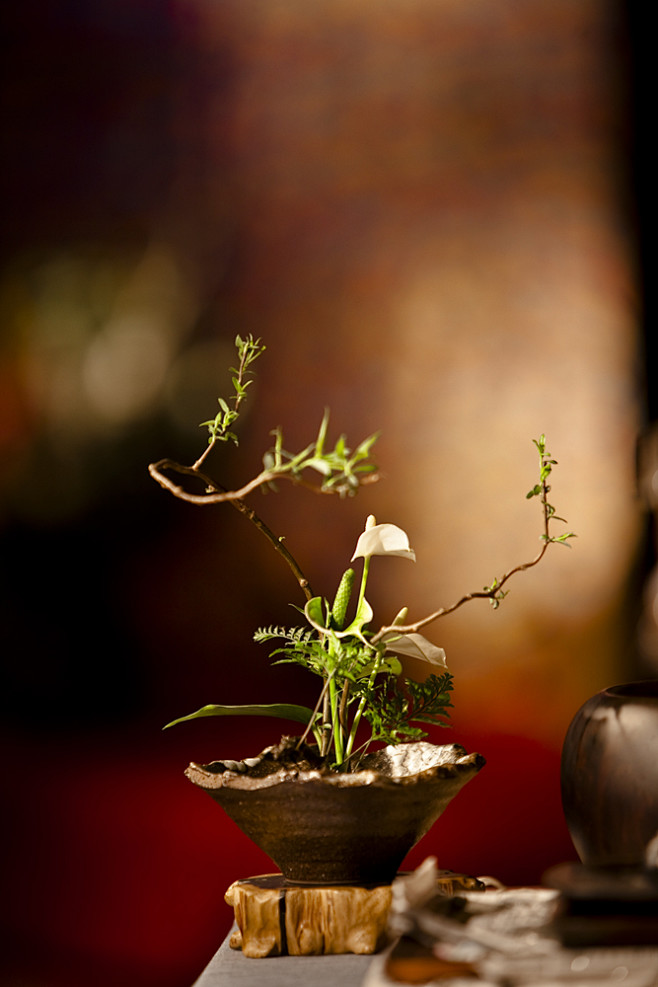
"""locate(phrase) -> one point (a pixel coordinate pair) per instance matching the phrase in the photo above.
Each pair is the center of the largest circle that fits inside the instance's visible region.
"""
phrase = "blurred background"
(433, 215)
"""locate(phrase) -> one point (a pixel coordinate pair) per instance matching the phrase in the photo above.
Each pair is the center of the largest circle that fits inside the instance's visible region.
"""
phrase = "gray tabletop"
(229, 968)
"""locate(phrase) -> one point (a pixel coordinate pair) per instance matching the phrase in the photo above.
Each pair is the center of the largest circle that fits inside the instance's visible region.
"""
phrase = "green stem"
(362, 704)
(335, 719)
(364, 580)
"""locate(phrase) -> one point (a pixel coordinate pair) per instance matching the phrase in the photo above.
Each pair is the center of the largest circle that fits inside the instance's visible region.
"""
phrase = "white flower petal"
(417, 646)
(384, 539)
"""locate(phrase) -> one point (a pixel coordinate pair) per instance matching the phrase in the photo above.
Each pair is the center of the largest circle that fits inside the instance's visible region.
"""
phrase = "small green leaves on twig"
(542, 489)
(219, 427)
(561, 539)
(495, 593)
(342, 470)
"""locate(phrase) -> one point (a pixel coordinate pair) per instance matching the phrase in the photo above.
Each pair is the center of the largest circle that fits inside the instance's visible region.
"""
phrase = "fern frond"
(294, 635)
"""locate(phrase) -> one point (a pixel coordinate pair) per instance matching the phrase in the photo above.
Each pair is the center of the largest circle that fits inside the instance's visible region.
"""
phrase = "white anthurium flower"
(417, 646)
(383, 539)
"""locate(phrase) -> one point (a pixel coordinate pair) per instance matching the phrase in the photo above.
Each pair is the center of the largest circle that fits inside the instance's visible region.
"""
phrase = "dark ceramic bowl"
(321, 827)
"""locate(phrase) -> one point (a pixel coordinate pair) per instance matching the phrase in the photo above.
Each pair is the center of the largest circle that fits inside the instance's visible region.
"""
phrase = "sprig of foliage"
(342, 470)
(348, 658)
(542, 490)
(393, 707)
(301, 646)
(494, 592)
(219, 427)
(294, 635)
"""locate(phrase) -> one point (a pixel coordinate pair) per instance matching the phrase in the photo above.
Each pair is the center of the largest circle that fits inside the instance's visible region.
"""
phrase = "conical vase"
(322, 827)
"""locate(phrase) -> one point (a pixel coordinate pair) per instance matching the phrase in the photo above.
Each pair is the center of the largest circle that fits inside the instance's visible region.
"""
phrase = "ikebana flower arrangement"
(363, 697)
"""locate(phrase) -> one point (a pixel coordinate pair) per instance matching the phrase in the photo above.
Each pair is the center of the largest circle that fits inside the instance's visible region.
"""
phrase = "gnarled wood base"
(277, 919)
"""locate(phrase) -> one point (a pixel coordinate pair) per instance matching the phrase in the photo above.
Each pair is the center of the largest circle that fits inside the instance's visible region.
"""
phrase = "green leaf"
(322, 433)
(362, 617)
(284, 711)
(315, 613)
(563, 539)
(321, 465)
(363, 449)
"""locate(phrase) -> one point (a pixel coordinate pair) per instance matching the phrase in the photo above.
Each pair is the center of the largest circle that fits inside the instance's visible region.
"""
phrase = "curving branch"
(216, 494)
(494, 593)
(342, 470)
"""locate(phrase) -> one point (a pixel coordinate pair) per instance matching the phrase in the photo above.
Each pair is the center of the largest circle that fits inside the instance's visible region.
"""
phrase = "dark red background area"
(118, 866)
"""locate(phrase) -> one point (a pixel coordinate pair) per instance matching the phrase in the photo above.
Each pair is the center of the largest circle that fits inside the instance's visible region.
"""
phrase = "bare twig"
(316, 709)
(493, 592)
(217, 494)
(488, 594)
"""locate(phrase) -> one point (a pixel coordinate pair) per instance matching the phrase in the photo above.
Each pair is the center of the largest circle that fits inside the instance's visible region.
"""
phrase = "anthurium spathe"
(383, 539)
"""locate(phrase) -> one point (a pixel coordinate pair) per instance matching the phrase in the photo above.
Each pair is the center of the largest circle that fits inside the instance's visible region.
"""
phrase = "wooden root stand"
(275, 918)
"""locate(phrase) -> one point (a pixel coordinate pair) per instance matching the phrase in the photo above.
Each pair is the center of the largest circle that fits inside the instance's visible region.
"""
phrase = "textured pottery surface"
(610, 775)
(321, 827)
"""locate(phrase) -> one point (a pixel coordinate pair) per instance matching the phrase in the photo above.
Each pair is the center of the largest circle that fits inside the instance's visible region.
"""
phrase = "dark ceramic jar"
(610, 775)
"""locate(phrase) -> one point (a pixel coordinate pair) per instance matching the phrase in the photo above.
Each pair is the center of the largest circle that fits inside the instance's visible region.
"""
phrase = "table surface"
(510, 928)
(229, 968)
